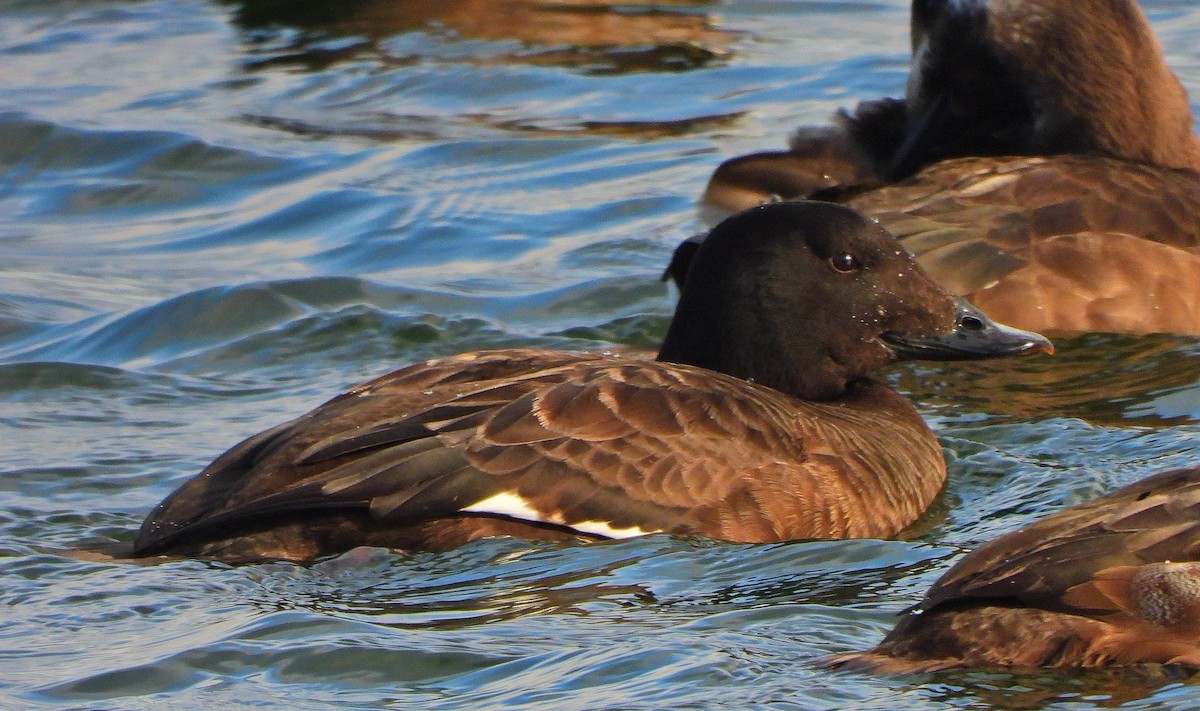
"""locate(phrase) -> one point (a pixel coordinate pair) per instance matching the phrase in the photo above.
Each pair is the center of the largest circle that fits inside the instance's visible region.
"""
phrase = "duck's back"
(1078, 243)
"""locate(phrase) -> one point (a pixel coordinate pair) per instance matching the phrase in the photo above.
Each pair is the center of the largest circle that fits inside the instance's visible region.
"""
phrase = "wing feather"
(1063, 242)
(1153, 520)
(579, 440)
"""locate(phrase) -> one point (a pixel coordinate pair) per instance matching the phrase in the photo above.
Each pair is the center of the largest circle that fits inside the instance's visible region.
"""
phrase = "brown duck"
(1042, 164)
(1115, 581)
(757, 422)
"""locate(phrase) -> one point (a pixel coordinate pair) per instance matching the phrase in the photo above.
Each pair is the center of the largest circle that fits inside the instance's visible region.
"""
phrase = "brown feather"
(1092, 585)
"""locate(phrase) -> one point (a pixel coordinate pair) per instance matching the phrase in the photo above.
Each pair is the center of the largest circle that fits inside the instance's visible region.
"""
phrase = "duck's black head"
(805, 297)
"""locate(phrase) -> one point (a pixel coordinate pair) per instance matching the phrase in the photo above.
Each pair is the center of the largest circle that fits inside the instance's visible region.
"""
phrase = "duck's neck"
(740, 336)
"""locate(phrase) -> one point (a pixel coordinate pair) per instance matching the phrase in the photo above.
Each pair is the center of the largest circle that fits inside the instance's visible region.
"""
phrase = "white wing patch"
(513, 506)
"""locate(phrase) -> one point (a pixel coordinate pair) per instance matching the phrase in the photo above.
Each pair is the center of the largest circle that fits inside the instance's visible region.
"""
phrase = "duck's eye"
(844, 263)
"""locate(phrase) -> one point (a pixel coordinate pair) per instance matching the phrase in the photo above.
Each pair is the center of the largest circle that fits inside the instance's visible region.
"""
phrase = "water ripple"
(215, 215)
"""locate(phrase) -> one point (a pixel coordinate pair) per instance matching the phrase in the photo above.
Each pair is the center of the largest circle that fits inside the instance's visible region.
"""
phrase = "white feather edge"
(513, 506)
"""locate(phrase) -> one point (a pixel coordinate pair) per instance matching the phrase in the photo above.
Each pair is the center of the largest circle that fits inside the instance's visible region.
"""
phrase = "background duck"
(1095, 233)
(1114, 581)
(756, 423)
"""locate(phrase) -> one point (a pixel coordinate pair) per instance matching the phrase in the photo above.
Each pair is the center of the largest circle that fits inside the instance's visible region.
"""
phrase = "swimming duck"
(1114, 581)
(1043, 163)
(757, 421)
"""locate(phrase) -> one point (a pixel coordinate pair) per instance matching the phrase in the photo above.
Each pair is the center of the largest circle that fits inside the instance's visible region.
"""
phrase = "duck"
(1111, 582)
(1042, 163)
(758, 420)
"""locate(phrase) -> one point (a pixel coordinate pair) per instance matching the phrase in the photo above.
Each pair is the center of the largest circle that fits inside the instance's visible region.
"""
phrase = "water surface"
(216, 215)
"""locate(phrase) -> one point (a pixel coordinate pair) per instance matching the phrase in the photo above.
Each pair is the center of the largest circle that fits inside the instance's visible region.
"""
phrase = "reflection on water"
(598, 36)
(216, 215)
(1106, 379)
(591, 37)
(1038, 690)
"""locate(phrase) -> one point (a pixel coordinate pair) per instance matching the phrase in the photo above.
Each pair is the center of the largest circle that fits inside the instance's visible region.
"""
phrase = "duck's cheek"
(909, 316)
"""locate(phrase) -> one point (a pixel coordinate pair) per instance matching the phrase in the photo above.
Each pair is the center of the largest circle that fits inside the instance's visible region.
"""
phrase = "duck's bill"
(974, 336)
